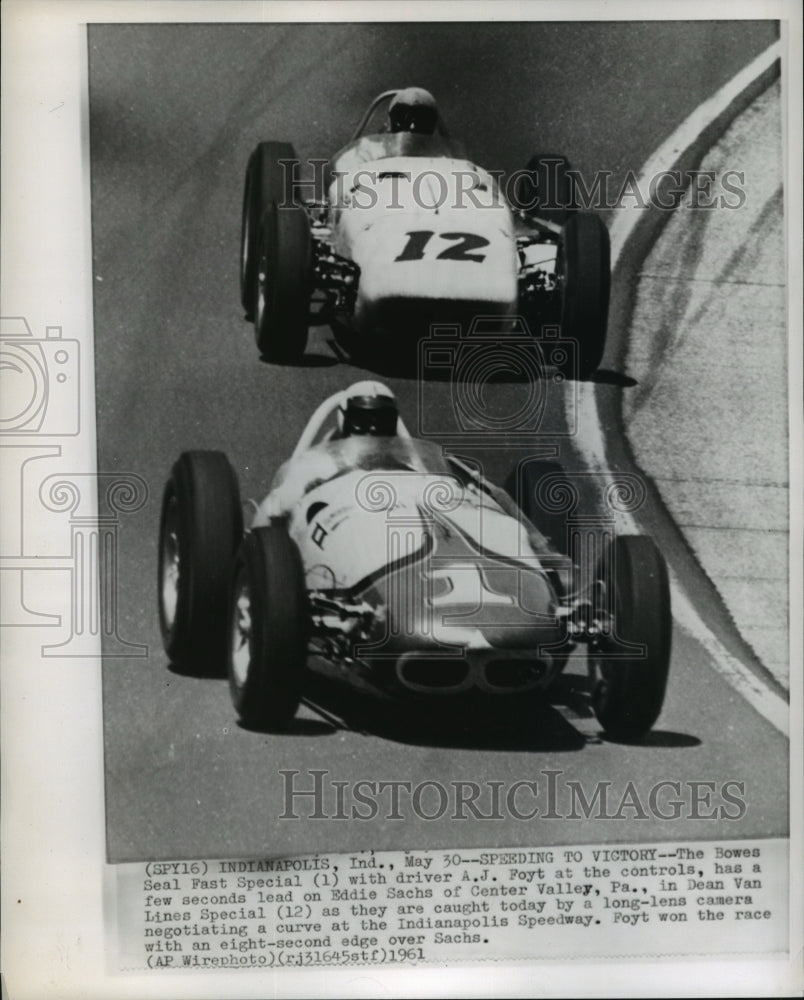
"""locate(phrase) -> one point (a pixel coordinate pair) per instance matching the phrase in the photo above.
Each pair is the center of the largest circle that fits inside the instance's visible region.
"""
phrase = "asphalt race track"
(175, 111)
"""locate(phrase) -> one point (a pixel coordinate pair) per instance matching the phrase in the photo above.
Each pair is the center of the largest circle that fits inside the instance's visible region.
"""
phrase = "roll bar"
(387, 95)
(320, 416)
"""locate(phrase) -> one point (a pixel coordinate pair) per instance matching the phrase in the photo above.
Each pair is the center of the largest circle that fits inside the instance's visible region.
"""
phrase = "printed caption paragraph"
(454, 905)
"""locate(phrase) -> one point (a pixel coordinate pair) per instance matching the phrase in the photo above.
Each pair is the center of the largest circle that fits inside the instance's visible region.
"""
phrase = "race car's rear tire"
(629, 683)
(283, 284)
(584, 269)
(269, 179)
(200, 528)
(545, 191)
(544, 495)
(268, 629)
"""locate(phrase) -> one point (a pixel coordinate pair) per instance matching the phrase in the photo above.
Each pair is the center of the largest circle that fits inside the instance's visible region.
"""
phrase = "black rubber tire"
(266, 687)
(628, 691)
(267, 181)
(548, 193)
(283, 284)
(584, 267)
(201, 523)
(528, 483)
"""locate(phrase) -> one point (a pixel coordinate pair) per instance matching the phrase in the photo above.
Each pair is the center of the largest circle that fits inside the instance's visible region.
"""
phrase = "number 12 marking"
(463, 243)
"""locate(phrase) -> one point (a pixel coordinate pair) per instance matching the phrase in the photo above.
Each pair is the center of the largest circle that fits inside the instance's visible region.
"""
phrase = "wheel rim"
(241, 633)
(246, 237)
(170, 563)
(262, 282)
(261, 278)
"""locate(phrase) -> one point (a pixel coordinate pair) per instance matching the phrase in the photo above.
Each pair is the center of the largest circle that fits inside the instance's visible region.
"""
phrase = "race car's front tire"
(268, 629)
(200, 528)
(584, 270)
(544, 190)
(629, 671)
(283, 284)
(269, 179)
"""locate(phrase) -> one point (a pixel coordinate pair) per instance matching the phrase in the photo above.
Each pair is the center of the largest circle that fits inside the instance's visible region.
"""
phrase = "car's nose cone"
(465, 607)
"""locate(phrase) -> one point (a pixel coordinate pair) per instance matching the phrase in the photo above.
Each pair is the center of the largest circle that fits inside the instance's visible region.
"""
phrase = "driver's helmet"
(367, 408)
(413, 110)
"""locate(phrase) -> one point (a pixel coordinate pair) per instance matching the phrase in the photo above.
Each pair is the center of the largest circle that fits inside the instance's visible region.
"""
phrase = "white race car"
(410, 233)
(379, 561)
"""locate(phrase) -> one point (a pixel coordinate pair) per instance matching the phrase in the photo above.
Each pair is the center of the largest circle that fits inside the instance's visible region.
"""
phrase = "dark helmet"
(368, 408)
(413, 110)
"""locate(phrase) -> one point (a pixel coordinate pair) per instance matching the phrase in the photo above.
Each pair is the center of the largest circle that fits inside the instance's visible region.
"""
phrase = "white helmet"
(367, 408)
(413, 110)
